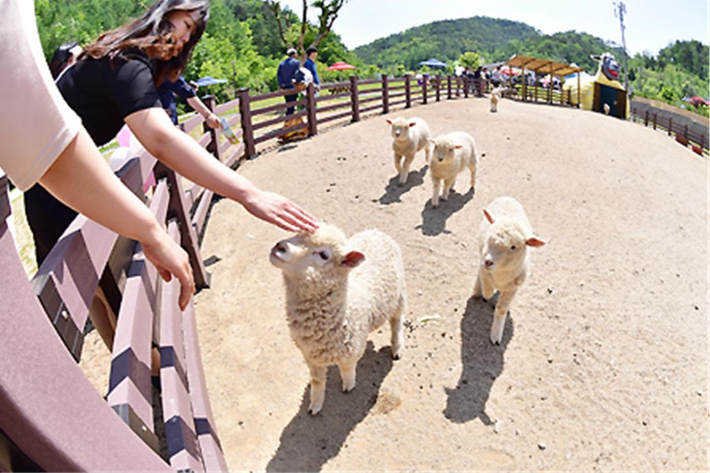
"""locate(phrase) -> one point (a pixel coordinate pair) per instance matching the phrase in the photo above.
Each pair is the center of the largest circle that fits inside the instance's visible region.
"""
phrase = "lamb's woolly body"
(496, 96)
(455, 162)
(329, 318)
(331, 308)
(509, 269)
(409, 143)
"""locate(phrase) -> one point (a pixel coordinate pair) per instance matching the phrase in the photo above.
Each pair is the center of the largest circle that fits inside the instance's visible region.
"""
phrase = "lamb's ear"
(352, 259)
(432, 142)
(389, 122)
(535, 242)
(411, 124)
(458, 146)
(488, 216)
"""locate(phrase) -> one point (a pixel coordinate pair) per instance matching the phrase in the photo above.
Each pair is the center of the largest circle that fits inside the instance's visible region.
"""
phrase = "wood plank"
(55, 416)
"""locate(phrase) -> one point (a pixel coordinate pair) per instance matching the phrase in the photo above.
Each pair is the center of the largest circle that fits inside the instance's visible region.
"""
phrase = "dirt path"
(604, 362)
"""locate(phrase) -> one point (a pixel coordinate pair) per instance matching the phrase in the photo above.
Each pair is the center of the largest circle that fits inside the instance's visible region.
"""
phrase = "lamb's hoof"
(402, 180)
(496, 340)
(347, 387)
(396, 355)
(315, 409)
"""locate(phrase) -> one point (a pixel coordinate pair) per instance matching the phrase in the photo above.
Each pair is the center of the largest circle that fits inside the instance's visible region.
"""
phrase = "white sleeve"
(36, 124)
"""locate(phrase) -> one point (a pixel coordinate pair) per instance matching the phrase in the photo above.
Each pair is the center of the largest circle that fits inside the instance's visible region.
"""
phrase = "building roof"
(542, 66)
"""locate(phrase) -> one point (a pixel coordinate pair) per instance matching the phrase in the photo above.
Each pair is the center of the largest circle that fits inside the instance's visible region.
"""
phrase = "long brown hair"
(152, 33)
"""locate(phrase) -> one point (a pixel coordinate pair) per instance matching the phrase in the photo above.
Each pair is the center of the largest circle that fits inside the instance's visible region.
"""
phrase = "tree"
(470, 59)
(329, 10)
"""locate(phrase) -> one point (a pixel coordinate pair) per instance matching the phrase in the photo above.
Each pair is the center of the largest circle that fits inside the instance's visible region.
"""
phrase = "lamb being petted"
(410, 135)
(503, 240)
(338, 290)
(452, 154)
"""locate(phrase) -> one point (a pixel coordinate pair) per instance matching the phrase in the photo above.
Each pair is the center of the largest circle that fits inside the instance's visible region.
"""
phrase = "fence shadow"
(482, 363)
(394, 192)
(308, 442)
(434, 219)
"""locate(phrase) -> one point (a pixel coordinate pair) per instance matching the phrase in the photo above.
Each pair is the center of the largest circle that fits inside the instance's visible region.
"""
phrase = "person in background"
(310, 64)
(63, 57)
(57, 153)
(169, 89)
(286, 74)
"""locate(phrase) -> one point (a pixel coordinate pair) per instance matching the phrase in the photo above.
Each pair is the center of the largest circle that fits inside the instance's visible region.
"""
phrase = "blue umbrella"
(433, 63)
(207, 80)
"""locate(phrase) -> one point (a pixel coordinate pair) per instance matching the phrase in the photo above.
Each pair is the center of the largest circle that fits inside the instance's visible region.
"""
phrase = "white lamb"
(503, 238)
(337, 291)
(452, 154)
(411, 135)
(496, 96)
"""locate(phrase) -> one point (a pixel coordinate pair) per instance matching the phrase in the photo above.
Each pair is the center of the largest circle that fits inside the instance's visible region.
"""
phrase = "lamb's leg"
(397, 162)
(347, 372)
(317, 388)
(472, 168)
(435, 196)
(448, 186)
(499, 315)
(397, 330)
(477, 291)
(405, 169)
(487, 289)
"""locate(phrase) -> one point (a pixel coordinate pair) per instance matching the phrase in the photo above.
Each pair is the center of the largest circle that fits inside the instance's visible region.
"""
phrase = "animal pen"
(52, 418)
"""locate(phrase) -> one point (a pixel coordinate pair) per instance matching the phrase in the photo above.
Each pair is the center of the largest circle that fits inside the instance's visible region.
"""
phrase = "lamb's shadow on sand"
(481, 360)
(394, 192)
(308, 442)
(434, 219)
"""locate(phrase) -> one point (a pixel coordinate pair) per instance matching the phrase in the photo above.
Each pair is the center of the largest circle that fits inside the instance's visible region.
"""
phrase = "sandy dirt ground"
(604, 360)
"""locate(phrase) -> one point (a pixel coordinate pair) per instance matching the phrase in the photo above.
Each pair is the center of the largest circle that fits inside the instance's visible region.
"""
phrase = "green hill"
(444, 40)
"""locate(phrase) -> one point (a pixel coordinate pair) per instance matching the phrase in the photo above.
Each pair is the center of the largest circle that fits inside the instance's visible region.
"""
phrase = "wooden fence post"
(247, 127)
(438, 87)
(645, 122)
(408, 90)
(448, 86)
(213, 146)
(465, 86)
(354, 99)
(425, 81)
(311, 108)
(385, 95)
(670, 125)
(655, 120)
(178, 209)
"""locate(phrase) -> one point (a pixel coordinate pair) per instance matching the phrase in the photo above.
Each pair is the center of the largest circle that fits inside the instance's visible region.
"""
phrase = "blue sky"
(650, 24)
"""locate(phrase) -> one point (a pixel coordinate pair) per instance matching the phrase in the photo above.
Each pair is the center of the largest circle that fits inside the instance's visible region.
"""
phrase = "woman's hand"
(213, 121)
(280, 211)
(170, 259)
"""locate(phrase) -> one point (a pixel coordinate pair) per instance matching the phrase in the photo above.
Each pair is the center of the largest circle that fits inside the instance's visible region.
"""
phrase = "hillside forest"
(242, 44)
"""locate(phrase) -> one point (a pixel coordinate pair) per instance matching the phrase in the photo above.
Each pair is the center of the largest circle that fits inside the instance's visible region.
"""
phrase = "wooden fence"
(52, 418)
(684, 131)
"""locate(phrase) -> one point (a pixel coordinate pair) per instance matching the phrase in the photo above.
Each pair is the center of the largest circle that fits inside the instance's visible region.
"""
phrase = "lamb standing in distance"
(503, 238)
(411, 135)
(452, 154)
(496, 96)
(337, 291)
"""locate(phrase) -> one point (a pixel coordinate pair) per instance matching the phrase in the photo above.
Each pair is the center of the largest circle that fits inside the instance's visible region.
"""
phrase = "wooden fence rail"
(52, 418)
(694, 137)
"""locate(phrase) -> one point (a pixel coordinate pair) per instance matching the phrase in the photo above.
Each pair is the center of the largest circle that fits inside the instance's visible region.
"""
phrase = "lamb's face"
(322, 252)
(444, 150)
(399, 128)
(504, 247)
